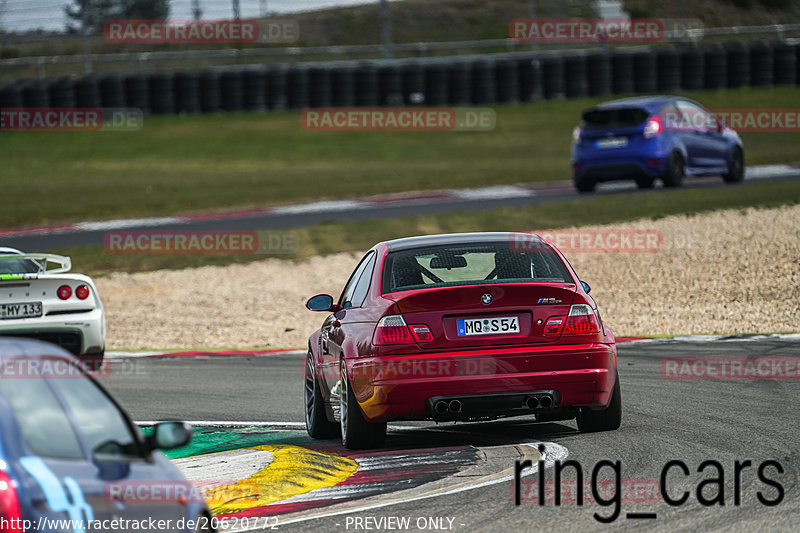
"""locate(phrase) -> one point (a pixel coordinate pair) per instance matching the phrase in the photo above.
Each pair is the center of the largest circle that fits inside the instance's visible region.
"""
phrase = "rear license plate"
(502, 325)
(612, 142)
(26, 310)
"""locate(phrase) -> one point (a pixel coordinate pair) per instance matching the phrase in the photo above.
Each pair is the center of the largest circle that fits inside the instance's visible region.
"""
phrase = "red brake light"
(10, 511)
(582, 319)
(82, 292)
(64, 292)
(392, 329)
(652, 128)
(421, 333)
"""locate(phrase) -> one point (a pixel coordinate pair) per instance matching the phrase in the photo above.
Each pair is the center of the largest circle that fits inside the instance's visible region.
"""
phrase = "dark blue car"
(650, 138)
(70, 455)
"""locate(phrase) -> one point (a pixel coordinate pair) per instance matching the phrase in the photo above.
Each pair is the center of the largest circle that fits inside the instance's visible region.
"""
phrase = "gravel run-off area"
(726, 272)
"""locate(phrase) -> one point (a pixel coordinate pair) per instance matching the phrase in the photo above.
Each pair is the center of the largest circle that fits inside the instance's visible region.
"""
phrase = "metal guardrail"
(422, 49)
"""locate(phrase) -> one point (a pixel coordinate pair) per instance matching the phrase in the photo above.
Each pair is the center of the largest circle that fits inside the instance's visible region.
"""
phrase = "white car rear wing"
(42, 261)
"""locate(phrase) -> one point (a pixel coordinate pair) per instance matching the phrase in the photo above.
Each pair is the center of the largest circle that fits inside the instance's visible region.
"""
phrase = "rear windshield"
(11, 265)
(448, 266)
(614, 118)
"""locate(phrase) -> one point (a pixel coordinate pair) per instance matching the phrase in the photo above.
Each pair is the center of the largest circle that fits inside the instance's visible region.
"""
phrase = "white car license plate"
(26, 310)
(612, 142)
(502, 325)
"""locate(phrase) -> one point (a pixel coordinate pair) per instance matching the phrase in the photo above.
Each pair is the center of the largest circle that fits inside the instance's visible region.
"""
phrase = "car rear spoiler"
(42, 260)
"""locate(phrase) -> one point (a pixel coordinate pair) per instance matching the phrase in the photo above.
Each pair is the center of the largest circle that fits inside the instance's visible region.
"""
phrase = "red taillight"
(82, 292)
(392, 329)
(10, 511)
(652, 128)
(581, 319)
(421, 332)
(64, 292)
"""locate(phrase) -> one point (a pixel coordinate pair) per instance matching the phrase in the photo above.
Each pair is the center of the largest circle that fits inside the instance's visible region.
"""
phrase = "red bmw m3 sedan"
(459, 327)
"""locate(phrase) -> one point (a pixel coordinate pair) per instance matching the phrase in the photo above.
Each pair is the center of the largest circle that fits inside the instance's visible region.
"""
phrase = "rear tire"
(676, 170)
(608, 419)
(93, 362)
(317, 424)
(735, 167)
(357, 433)
(585, 186)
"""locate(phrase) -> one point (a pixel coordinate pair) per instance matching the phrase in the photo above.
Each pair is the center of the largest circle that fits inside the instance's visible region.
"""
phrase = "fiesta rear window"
(614, 118)
(479, 264)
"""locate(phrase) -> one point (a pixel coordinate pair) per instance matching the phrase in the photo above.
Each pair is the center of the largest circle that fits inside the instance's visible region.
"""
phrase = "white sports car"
(51, 304)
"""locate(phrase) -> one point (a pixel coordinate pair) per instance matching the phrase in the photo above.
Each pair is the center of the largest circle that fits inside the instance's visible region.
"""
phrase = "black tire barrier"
(367, 85)
(785, 64)
(576, 77)
(112, 91)
(484, 89)
(645, 76)
(668, 64)
(553, 77)
(278, 88)
(137, 94)
(11, 95)
(762, 63)
(231, 90)
(298, 87)
(390, 83)
(254, 87)
(187, 93)
(622, 73)
(506, 75)
(413, 84)
(87, 92)
(693, 64)
(209, 92)
(343, 87)
(62, 93)
(738, 58)
(599, 68)
(716, 66)
(529, 73)
(161, 86)
(460, 83)
(35, 94)
(319, 87)
(437, 89)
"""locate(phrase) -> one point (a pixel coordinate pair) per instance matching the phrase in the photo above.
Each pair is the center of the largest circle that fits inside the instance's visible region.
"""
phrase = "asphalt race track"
(358, 209)
(664, 419)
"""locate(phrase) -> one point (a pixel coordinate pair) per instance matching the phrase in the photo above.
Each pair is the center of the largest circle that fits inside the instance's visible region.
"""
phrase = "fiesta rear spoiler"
(42, 261)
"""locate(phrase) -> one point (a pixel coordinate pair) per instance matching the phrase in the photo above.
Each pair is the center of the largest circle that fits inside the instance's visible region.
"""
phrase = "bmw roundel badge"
(486, 299)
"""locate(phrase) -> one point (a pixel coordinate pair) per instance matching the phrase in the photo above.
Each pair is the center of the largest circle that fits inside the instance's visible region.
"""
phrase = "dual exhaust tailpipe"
(535, 402)
(442, 407)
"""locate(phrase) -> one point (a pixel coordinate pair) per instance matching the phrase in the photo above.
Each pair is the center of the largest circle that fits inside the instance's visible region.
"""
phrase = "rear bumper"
(79, 334)
(488, 383)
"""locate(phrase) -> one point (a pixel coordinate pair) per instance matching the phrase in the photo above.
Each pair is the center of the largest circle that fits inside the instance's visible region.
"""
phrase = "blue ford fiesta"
(72, 460)
(649, 138)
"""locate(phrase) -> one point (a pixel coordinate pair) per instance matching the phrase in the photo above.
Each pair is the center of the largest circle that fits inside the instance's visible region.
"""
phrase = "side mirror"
(169, 435)
(586, 287)
(321, 302)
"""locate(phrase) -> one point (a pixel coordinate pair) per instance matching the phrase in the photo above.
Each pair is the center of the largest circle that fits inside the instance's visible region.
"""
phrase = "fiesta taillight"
(64, 292)
(392, 329)
(82, 292)
(652, 128)
(582, 319)
(10, 510)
